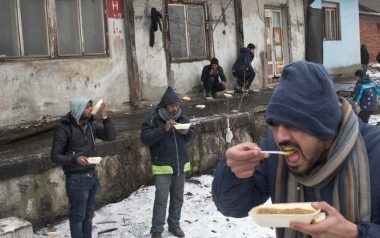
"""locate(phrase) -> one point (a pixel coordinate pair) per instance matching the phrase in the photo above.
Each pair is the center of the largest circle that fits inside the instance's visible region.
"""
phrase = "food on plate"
(296, 210)
(182, 126)
(282, 214)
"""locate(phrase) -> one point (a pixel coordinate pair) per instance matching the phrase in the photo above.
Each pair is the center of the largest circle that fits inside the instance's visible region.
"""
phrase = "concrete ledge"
(13, 227)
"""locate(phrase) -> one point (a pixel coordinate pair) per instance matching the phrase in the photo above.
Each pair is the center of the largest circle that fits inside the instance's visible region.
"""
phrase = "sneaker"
(176, 231)
(156, 235)
(237, 89)
(214, 95)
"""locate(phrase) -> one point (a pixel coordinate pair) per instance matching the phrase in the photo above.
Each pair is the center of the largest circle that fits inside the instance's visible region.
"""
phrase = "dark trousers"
(81, 190)
(244, 83)
(364, 115)
(167, 184)
(212, 85)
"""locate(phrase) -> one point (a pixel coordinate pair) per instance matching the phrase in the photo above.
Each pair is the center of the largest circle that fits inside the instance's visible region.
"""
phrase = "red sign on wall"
(115, 8)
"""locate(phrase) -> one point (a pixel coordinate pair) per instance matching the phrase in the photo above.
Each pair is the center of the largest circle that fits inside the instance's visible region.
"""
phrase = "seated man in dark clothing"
(213, 78)
(243, 69)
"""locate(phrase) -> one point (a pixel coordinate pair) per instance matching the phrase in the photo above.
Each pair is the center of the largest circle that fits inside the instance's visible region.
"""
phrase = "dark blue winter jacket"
(243, 62)
(168, 149)
(365, 94)
(235, 197)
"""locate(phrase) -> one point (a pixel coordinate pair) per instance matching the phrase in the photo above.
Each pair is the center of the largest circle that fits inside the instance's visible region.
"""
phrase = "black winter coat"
(71, 141)
(243, 62)
(166, 147)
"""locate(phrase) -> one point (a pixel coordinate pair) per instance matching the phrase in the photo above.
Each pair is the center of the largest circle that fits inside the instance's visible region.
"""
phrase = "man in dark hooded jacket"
(365, 95)
(243, 70)
(334, 160)
(73, 144)
(170, 160)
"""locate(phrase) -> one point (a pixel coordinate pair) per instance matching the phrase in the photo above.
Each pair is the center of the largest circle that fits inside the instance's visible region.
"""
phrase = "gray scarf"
(347, 165)
(165, 115)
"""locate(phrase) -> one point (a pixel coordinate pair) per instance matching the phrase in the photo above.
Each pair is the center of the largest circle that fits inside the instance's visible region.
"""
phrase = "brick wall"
(370, 34)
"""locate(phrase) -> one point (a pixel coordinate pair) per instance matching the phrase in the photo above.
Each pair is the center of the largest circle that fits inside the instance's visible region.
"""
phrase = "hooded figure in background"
(243, 70)
(170, 160)
(73, 144)
(365, 94)
(332, 160)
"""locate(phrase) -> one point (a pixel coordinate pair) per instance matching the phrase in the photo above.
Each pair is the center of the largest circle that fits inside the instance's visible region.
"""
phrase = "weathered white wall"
(151, 60)
(254, 32)
(33, 89)
(187, 75)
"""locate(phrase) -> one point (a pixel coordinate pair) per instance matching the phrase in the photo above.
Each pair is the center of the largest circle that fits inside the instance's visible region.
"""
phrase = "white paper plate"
(283, 220)
(182, 126)
(94, 160)
(227, 95)
(95, 109)
(186, 98)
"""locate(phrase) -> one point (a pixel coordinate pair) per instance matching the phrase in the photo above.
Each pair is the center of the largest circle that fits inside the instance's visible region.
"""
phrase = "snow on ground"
(131, 218)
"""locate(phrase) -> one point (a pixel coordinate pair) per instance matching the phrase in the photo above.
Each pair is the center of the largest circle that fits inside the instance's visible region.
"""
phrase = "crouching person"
(170, 160)
(73, 144)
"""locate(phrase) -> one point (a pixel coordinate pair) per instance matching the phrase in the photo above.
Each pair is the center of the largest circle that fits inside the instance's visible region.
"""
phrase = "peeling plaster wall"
(296, 28)
(254, 31)
(187, 76)
(34, 89)
(151, 60)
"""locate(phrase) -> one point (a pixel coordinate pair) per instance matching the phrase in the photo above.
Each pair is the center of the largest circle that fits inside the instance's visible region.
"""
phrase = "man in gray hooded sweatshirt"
(73, 144)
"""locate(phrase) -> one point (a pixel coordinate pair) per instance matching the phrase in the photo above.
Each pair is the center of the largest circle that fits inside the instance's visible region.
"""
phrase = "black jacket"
(243, 62)
(206, 73)
(71, 141)
(167, 147)
(364, 56)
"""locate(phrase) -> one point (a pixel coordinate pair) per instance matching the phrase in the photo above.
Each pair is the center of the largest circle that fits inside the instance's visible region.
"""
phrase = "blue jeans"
(81, 190)
(165, 184)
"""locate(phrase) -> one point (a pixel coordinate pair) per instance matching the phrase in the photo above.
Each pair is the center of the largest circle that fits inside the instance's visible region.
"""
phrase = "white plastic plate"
(182, 126)
(283, 220)
(94, 160)
(95, 109)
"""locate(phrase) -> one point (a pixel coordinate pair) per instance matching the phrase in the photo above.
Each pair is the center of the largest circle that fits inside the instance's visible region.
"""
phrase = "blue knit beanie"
(306, 99)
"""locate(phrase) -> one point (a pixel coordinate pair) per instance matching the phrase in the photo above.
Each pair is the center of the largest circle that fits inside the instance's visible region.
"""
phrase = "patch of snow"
(131, 218)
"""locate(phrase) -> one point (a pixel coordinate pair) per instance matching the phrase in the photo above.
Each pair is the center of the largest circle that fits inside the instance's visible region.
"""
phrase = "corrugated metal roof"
(369, 5)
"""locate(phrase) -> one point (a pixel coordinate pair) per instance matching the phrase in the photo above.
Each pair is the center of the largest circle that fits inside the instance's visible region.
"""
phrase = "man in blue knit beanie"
(325, 155)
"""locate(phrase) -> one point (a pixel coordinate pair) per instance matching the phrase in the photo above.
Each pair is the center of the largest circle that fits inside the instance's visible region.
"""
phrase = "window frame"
(335, 8)
(207, 38)
(52, 35)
